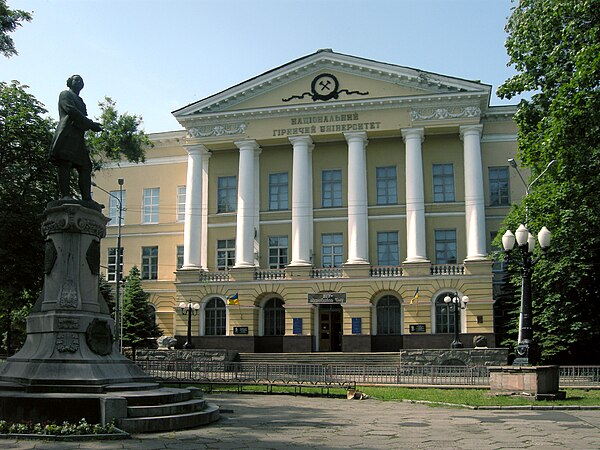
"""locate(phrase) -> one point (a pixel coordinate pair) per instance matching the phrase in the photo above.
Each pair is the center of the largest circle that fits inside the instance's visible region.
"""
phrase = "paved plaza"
(251, 421)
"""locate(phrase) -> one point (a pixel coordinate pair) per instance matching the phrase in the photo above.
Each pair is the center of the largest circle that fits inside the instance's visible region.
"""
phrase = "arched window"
(444, 314)
(388, 315)
(274, 317)
(215, 316)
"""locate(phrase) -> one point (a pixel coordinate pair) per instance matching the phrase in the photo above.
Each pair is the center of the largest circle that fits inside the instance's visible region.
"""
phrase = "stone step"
(170, 422)
(156, 396)
(379, 359)
(169, 409)
(131, 387)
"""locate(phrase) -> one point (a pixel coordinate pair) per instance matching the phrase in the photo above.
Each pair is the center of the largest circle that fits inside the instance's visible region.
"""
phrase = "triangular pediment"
(327, 77)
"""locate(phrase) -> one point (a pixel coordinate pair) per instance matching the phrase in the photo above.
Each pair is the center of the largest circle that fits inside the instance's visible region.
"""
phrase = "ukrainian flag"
(233, 299)
(415, 297)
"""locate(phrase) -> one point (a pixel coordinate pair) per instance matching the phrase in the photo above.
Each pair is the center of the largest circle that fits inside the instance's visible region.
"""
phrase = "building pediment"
(327, 78)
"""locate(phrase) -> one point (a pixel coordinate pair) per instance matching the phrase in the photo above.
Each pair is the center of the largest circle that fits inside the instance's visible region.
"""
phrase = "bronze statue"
(68, 149)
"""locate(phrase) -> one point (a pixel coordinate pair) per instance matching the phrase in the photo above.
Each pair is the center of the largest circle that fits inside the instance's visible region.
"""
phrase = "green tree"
(10, 19)
(139, 324)
(121, 137)
(554, 45)
(26, 186)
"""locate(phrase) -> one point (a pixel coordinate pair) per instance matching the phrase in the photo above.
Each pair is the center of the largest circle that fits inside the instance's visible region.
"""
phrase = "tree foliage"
(121, 136)
(26, 186)
(139, 325)
(555, 47)
(10, 19)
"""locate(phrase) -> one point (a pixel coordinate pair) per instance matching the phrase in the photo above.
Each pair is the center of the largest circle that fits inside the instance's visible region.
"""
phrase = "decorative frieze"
(217, 130)
(445, 113)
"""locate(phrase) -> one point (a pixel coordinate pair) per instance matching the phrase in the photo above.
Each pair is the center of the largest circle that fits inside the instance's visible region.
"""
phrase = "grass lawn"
(478, 397)
(470, 397)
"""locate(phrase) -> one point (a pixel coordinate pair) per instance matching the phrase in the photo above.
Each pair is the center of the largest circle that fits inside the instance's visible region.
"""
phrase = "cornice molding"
(452, 102)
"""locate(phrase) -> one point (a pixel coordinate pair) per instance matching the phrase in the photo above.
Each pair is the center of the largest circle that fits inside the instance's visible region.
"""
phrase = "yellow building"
(329, 204)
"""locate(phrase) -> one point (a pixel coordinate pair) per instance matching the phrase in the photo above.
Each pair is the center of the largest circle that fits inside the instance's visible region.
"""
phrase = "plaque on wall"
(356, 325)
(417, 328)
(240, 330)
(327, 298)
(297, 325)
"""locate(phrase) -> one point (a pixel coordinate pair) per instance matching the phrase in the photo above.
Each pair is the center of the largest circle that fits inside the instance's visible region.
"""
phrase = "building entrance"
(330, 328)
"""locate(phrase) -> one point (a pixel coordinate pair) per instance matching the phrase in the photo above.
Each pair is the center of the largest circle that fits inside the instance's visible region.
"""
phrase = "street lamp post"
(190, 309)
(457, 304)
(119, 260)
(526, 243)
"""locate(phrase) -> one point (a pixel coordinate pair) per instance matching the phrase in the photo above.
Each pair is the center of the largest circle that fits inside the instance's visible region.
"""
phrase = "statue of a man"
(68, 149)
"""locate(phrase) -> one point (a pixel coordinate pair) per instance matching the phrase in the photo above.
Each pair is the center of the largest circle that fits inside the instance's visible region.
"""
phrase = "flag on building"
(415, 297)
(233, 299)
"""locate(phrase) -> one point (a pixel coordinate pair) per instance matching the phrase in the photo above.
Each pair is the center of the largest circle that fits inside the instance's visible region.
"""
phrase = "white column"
(358, 238)
(474, 199)
(192, 229)
(301, 201)
(246, 197)
(415, 198)
(204, 244)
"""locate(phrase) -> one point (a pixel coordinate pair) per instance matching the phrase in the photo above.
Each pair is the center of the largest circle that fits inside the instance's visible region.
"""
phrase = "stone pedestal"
(538, 381)
(69, 346)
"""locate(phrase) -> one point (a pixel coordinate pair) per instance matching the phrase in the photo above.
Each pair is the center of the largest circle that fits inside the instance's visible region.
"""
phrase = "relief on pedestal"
(50, 255)
(68, 297)
(92, 257)
(68, 323)
(99, 337)
(67, 342)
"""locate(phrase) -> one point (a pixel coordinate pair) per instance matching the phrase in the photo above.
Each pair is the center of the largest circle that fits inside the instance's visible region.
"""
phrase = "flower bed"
(64, 431)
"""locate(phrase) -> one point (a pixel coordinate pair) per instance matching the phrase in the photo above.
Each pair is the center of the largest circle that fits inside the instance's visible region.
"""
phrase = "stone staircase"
(354, 359)
(166, 409)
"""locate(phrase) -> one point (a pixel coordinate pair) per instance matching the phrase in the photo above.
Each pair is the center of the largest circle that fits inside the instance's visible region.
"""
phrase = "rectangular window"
(499, 186)
(331, 192)
(278, 252)
(179, 256)
(181, 203)
(332, 249)
(278, 191)
(443, 183)
(150, 205)
(226, 194)
(387, 248)
(387, 191)
(225, 254)
(150, 263)
(445, 246)
(111, 267)
(113, 207)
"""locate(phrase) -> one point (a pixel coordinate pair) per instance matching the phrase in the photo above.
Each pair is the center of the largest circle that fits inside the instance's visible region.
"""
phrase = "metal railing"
(579, 376)
(233, 372)
(427, 375)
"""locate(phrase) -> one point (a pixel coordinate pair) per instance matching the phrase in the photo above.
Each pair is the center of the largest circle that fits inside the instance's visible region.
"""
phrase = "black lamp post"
(190, 309)
(119, 260)
(526, 243)
(456, 303)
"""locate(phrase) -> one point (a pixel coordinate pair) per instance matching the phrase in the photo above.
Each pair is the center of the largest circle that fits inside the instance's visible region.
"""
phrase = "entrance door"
(330, 328)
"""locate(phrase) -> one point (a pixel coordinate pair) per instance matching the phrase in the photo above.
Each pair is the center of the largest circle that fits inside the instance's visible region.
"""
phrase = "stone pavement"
(251, 421)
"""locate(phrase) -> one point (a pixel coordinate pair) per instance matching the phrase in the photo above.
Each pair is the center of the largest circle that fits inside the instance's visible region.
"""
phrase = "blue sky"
(155, 56)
